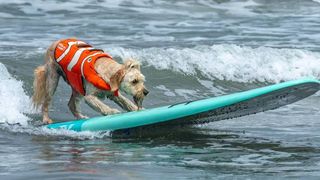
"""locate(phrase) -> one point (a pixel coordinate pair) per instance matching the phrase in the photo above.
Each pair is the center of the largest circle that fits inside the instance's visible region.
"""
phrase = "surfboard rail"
(201, 111)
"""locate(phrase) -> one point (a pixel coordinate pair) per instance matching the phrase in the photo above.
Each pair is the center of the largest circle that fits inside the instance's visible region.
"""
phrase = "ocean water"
(189, 50)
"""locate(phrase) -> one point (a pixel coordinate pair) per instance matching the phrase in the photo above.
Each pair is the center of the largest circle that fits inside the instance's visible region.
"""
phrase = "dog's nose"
(145, 92)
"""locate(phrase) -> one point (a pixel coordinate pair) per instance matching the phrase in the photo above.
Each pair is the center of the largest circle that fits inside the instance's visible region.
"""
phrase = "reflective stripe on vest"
(76, 57)
(87, 58)
(70, 44)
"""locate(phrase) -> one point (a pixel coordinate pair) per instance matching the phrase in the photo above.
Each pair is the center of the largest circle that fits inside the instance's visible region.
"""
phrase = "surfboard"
(200, 111)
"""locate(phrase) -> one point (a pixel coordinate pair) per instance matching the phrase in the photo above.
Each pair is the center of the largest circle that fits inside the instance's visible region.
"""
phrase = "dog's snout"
(145, 92)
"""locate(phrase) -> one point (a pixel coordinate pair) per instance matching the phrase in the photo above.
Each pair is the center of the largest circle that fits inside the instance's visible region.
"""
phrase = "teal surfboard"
(200, 111)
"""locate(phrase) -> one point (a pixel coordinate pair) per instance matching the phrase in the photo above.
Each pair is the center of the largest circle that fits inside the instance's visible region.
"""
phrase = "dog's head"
(131, 81)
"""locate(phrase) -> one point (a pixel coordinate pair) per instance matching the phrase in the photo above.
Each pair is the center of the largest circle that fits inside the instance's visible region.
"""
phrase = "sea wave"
(15, 106)
(14, 102)
(229, 62)
(40, 7)
(42, 131)
(318, 1)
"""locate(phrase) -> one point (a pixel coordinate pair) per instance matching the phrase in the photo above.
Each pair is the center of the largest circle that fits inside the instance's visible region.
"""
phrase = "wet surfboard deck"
(200, 111)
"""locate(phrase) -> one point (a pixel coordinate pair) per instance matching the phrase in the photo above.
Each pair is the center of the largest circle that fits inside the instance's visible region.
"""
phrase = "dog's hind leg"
(45, 82)
(44, 85)
(74, 105)
(99, 106)
(52, 81)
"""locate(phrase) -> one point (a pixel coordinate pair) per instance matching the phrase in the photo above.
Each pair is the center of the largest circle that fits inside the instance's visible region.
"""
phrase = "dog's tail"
(39, 86)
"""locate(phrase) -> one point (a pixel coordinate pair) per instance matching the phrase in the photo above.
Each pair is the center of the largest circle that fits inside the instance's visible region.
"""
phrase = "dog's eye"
(135, 81)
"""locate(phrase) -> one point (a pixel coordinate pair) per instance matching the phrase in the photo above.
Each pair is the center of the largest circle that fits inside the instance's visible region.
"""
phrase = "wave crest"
(14, 102)
(230, 62)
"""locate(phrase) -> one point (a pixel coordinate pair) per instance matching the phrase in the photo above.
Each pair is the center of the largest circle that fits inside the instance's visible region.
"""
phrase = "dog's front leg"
(123, 102)
(99, 106)
(74, 105)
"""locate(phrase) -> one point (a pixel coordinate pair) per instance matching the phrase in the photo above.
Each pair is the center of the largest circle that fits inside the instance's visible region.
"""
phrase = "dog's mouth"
(138, 101)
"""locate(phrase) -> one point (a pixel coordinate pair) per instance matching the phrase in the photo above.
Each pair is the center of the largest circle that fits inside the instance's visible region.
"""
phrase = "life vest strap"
(83, 45)
(95, 49)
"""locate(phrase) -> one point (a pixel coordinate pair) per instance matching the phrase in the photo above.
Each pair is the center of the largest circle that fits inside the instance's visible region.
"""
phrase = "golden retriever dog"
(92, 75)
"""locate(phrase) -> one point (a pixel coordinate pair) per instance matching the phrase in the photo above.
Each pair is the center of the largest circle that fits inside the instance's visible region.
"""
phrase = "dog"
(92, 75)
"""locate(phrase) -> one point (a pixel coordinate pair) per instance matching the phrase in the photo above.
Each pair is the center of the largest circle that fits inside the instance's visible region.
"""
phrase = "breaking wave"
(14, 103)
(15, 106)
(230, 62)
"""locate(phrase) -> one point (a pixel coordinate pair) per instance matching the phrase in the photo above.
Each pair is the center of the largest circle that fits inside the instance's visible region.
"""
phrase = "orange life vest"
(76, 59)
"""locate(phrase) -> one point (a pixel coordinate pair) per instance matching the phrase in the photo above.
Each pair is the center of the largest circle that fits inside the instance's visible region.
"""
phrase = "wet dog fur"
(126, 77)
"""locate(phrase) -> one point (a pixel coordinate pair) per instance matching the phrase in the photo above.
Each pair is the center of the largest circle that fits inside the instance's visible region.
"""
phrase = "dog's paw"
(80, 116)
(114, 111)
(47, 121)
(142, 108)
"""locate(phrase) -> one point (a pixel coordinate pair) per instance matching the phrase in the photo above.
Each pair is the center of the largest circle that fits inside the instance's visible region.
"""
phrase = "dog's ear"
(116, 79)
(131, 64)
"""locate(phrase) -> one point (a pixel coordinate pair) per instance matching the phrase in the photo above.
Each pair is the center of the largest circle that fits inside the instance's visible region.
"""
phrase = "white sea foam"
(166, 91)
(186, 93)
(230, 62)
(54, 133)
(13, 100)
(217, 90)
(15, 104)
